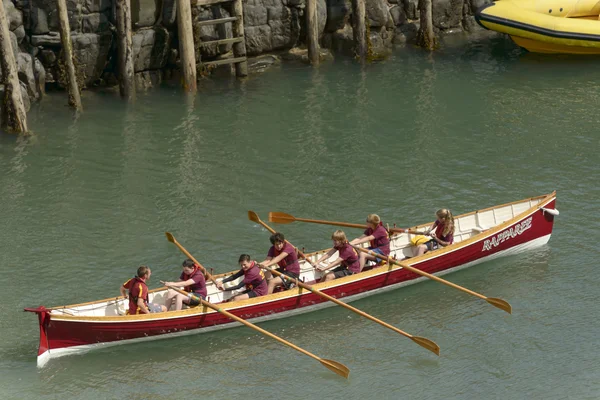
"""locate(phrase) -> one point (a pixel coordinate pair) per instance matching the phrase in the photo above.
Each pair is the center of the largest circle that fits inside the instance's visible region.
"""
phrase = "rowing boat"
(479, 236)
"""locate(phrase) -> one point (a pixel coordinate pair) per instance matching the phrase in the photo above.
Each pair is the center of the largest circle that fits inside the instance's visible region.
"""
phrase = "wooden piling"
(126, 70)
(312, 28)
(359, 29)
(65, 39)
(425, 35)
(239, 48)
(186, 44)
(14, 117)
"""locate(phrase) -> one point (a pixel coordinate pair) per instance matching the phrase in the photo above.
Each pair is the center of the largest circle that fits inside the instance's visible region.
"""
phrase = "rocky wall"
(270, 26)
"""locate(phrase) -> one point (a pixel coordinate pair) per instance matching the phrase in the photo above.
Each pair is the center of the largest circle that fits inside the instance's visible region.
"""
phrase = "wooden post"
(359, 29)
(14, 117)
(65, 39)
(186, 44)
(312, 28)
(239, 49)
(126, 71)
(425, 36)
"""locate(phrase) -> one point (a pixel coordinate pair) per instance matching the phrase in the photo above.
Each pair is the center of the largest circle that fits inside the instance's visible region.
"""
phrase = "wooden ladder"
(238, 40)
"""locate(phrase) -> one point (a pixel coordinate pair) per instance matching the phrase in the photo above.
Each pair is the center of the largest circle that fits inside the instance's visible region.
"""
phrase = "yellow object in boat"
(546, 26)
(419, 239)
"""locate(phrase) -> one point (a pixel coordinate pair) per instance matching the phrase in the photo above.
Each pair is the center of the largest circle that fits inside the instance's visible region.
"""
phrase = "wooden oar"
(283, 218)
(171, 239)
(334, 366)
(252, 216)
(496, 302)
(421, 341)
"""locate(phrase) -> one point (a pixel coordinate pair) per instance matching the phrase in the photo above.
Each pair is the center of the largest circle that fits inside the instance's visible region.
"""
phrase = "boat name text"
(515, 231)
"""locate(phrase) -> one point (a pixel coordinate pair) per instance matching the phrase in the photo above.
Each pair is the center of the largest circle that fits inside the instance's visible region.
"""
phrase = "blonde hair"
(339, 236)
(373, 219)
(448, 219)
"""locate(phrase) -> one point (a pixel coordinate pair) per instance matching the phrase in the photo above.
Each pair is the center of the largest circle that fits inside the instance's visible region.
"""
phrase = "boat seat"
(478, 229)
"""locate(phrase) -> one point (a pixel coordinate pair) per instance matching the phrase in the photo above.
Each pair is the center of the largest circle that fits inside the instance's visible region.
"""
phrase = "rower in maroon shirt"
(137, 291)
(443, 235)
(348, 258)
(192, 278)
(283, 254)
(254, 280)
(378, 237)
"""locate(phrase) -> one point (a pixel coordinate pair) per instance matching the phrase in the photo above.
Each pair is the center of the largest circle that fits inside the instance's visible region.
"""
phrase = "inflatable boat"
(546, 26)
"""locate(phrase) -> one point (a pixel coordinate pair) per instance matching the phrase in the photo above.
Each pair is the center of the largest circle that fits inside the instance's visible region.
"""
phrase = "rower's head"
(444, 215)
(144, 272)
(373, 221)
(245, 262)
(277, 240)
(339, 238)
(188, 266)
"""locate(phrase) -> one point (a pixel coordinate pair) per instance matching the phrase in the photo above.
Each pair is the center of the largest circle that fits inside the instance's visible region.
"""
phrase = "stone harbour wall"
(270, 26)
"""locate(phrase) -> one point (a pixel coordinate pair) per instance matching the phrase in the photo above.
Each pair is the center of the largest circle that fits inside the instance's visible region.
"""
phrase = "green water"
(85, 201)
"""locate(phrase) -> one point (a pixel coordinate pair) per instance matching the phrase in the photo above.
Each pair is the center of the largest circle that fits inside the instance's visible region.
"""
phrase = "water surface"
(87, 200)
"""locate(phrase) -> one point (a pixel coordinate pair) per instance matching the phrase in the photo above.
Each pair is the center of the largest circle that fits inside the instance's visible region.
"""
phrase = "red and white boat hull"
(79, 328)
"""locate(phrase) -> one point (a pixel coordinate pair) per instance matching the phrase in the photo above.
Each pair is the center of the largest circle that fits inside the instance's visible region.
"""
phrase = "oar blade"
(336, 367)
(281, 218)
(427, 344)
(252, 216)
(499, 303)
(170, 237)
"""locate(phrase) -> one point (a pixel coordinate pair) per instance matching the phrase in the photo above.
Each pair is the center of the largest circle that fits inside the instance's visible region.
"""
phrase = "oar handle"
(408, 231)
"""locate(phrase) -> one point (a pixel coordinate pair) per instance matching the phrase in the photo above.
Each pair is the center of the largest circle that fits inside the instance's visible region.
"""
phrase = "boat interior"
(466, 227)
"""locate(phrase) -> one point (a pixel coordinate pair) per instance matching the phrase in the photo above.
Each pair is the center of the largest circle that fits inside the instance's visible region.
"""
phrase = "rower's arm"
(233, 277)
(441, 242)
(362, 239)
(275, 260)
(236, 287)
(432, 227)
(337, 262)
(180, 283)
(326, 255)
(263, 263)
(142, 306)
